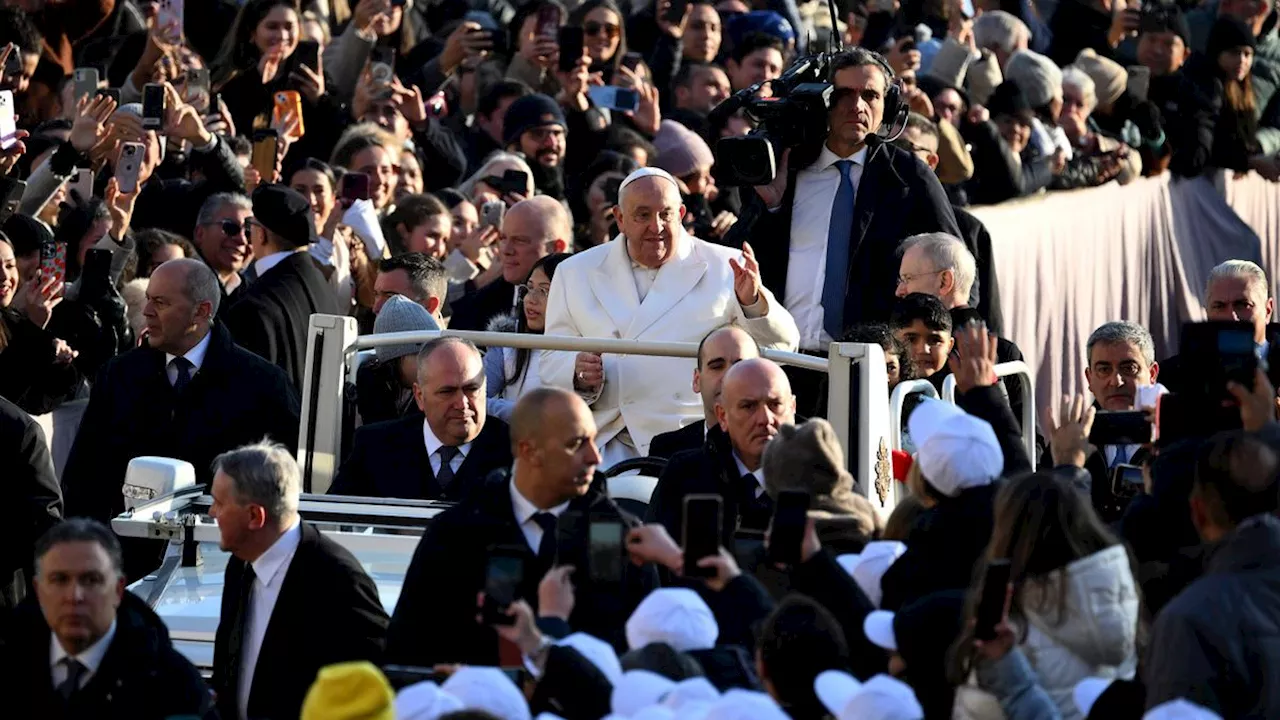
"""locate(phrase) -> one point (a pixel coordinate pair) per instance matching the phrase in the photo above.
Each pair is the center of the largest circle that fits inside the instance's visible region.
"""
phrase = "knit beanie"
(400, 314)
(998, 29)
(983, 77)
(350, 690)
(949, 64)
(1039, 77)
(1228, 33)
(529, 112)
(680, 150)
(1109, 77)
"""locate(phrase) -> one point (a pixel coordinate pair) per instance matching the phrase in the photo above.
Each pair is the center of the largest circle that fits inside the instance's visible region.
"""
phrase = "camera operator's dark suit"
(897, 197)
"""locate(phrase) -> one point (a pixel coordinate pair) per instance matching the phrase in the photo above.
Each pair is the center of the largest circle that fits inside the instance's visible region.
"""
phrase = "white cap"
(654, 712)
(645, 172)
(956, 450)
(878, 627)
(740, 704)
(425, 701)
(691, 691)
(488, 689)
(1088, 691)
(1180, 710)
(880, 698)
(541, 716)
(676, 616)
(637, 690)
(597, 652)
(868, 566)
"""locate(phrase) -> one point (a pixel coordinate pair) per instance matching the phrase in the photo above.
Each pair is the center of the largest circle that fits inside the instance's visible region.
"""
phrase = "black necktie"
(235, 643)
(445, 476)
(547, 547)
(75, 673)
(755, 510)
(183, 366)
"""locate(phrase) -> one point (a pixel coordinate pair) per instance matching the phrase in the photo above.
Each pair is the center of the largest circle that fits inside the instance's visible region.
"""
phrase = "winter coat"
(1094, 635)
(500, 365)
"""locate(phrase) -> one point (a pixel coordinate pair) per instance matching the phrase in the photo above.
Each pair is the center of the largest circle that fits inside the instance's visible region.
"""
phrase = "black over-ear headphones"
(895, 110)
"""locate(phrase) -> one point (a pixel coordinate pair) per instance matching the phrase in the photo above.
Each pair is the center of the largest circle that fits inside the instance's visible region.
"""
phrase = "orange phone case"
(286, 102)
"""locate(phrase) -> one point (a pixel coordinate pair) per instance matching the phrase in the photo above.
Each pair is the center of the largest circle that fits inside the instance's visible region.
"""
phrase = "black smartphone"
(1120, 427)
(675, 13)
(502, 577)
(548, 20)
(113, 93)
(1126, 481)
(606, 543)
(382, 64)
(632, 60)
(570, 40)
(786, 535)
(215, 102)
(153, 106)
(10, 196)
(1218, 352)
(515, 181)
(703, 522)
(355, 186)
(991, 605)
(13, 63)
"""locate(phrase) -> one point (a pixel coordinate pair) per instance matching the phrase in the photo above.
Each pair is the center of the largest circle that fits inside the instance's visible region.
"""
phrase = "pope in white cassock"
(654, 282)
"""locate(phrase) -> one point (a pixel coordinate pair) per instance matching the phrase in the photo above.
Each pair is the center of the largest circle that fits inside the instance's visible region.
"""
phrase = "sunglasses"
(231, 228)
(594, 28)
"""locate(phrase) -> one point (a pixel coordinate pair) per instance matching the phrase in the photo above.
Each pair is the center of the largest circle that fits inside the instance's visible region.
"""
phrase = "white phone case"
(8, 121)
(130, 163)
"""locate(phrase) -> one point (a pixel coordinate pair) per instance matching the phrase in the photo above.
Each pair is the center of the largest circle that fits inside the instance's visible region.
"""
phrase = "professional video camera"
(794, 116)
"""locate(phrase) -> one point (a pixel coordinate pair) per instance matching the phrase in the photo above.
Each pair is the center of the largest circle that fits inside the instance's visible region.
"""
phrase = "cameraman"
(828, 232)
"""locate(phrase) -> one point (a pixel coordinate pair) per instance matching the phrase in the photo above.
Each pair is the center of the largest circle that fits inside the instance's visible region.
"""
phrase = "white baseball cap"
(637, 690)
(880, 698)
(956, 450)
(737, 704)
(488, 689)
(868, 566)
(1180, 709)
(878, 627)
(676, 616)
(425, 701)
(597, 652)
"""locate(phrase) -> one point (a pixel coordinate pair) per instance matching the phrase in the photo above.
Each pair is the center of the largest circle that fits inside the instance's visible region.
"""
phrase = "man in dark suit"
(31, 492)
(293, 601)
(841, 218)
(755, 400)
(553, 440)
(87, 647)
(272, 317)
(446, 452)
(719, 350)
(531, 230)
(189, 393)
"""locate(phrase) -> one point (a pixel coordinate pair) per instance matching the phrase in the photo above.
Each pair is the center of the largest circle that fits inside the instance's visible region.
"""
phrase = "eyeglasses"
(594, 28)
(532, 292)
(1128, 370)
(905, 279)
(230, 228)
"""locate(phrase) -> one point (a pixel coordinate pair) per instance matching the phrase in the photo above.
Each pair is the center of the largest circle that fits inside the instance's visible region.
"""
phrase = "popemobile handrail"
(898, 399)
(1003, 370)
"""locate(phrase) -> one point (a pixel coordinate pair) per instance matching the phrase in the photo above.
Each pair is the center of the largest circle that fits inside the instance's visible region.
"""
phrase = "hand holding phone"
(354, 186)
(606, 549)
(786, 532)
(995, 595)
(503, 575)
(491, 214)
(703, 524)
(572, 47)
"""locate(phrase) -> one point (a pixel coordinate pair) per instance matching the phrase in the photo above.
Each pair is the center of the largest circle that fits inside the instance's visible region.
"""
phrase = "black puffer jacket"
(140, 677)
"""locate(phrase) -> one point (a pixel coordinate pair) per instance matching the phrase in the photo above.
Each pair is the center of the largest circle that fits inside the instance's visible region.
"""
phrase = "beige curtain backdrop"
(1071, 261)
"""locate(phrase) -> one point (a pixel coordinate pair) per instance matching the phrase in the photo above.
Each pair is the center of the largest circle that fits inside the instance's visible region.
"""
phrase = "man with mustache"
(755, 400)
(535, 126)
(446, 452)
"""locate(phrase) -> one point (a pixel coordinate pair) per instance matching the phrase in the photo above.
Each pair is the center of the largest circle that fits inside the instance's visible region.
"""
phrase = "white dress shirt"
(262, 265)
(758, 473)
(270, 569)
(644, 277)
(433, 450)
(91, 658)
(232, 283)
(525, 511)
(816, 188)
(195, 356)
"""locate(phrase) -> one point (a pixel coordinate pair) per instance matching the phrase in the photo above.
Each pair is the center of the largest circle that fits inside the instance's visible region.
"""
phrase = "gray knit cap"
(400, 314)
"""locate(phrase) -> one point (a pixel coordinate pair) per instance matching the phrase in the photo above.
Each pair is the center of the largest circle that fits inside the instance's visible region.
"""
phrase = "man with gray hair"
(188, 393)
(1236, 291)
(89, 647)
(222, 239)
(293, 601)
(937, 264)
(1120, 357)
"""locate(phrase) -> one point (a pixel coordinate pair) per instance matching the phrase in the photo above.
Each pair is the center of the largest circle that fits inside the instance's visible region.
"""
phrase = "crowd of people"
(186, 184)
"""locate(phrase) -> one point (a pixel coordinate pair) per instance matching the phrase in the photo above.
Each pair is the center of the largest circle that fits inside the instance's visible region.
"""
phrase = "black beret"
(285, 212)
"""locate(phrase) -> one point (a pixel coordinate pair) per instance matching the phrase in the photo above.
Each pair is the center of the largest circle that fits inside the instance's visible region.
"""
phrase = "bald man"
(654, 282)
(189, 393)
(719, 350)
(531, 230)
(755, 400)
(553, 440)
